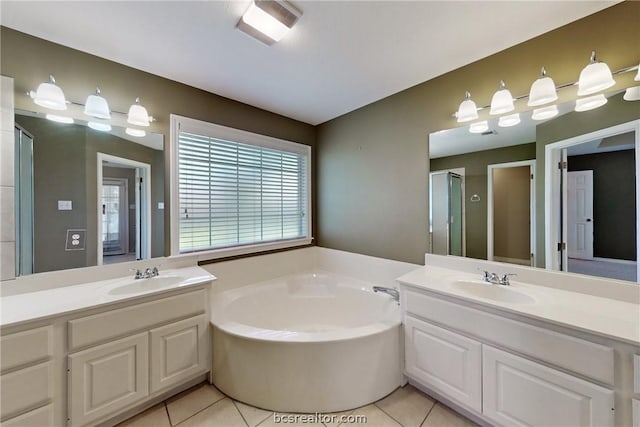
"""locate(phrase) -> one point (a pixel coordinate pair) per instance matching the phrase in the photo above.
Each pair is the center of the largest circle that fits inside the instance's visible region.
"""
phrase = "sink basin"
(490, 291)
(146, 285)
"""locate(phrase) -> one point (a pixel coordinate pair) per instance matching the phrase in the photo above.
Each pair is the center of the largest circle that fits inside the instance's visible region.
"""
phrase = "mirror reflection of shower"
(446, 213)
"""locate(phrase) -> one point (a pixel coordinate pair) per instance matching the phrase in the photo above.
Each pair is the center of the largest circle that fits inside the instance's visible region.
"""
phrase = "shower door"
(445, 212)
(24, 201)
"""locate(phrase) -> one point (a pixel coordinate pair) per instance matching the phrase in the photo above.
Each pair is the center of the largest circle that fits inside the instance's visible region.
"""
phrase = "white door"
(580, 214)
(519, 392)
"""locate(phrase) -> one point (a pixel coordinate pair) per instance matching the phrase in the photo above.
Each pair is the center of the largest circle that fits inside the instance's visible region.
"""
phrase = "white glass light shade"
(508, 121)
(49, 95)
(265, 23)
(502, 101)
(637, 77)
(59, 119)
(545, 112)
(102, 127)
(139, 133)
(595, 77)
(590, 102)
(632, 94)
(479, 127)
(97, 106)
(138, 114)
(468, 110)
(543, 91)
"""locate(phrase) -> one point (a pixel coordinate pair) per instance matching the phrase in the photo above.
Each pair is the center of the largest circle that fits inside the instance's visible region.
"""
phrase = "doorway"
(591, 218)
(510, 209)
(447, 212)
(124, 209)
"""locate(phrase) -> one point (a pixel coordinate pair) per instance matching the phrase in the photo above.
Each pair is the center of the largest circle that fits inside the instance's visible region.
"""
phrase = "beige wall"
(512, 213)
(373, 162)
(30, 60)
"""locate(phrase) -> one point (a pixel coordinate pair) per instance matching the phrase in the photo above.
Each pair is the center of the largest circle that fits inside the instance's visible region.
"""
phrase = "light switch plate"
(65, 205)
(76, 239)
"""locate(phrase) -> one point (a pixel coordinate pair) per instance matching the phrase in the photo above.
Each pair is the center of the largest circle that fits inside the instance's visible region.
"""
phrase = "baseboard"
(616, 261)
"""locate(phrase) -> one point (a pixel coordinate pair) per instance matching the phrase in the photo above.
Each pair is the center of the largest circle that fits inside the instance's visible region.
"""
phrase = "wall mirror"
(492, 198)
(85, 197)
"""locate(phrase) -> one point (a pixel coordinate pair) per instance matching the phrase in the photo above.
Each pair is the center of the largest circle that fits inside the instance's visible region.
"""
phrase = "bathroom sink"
(490, 291)
(146, 285)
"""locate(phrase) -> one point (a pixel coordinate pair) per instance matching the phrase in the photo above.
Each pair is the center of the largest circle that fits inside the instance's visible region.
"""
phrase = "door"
(580, 214)
(519, 392)
(455, 215)
(115, 215)
(24, 192)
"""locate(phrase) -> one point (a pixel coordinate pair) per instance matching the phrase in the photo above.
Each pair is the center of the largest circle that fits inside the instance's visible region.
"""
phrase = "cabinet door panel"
(519, 392)
(178, 351)
(40, 417)
(107, 378)
(26, 389)
(445, 361)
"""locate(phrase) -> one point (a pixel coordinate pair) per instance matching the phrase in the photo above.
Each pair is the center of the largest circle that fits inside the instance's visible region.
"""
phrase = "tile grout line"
(435, 402)
(206, 407)
(233, 402)
(167, 411)
(387, 414)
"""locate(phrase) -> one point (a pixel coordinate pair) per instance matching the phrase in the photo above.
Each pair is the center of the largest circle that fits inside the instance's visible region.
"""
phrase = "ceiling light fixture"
(502, 101)
(508, 121)
(467, 110)
(97, 106)
(595, 77)
(545, 112)
(479, 127)
(138, 114)
(590, 102)
(269, 20)
(632, 94)
(49, 95)
(542, 90)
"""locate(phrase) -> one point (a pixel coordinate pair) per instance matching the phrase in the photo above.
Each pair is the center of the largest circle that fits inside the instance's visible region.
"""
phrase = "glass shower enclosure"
(446, 219)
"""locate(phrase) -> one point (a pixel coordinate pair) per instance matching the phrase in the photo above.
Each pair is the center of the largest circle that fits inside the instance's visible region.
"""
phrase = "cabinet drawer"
(445, 361)
(101, 327)
(107, 378)
(40, 417)
(518, 392)
(26, 347)
(178, 352)
(25, 389)
(577, 355)
(635, 409)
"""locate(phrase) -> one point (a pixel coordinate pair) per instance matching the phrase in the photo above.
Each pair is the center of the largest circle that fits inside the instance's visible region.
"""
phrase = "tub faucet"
(394, 293)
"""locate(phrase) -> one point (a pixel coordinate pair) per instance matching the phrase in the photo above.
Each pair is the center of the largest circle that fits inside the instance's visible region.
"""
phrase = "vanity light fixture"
(590, 102)
(479, 127)
(138, 114)
(102, 127)
(508, 121)
(595, 77)
(138, 133)
(269, 20)
(637, 77)
(49, 95)
(545, 112)
(502, 101)
(468, 110)
(97, 106)
(632, 94)
(59, 119)
(543, 90)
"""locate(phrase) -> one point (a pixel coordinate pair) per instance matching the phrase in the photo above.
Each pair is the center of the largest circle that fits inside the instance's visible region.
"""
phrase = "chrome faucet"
(495, 279)
(148, 273)
(394, 293)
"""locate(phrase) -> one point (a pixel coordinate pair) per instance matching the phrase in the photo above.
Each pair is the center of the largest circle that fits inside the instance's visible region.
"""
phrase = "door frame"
(552, 191)
(143, 215)
(532, 206)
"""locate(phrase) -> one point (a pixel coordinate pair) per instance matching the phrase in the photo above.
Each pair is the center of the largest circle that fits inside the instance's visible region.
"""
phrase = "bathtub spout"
(394, 293)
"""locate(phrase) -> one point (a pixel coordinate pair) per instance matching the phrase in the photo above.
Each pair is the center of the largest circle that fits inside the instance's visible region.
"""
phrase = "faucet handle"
(138, 273)
(486, 276)
(155, 271)
(504, 279)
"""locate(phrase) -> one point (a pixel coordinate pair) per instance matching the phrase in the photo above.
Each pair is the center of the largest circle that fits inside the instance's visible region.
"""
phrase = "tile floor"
(204, 405)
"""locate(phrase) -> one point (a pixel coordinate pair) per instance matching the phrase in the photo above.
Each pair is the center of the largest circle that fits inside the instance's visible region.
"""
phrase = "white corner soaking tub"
(312, 342)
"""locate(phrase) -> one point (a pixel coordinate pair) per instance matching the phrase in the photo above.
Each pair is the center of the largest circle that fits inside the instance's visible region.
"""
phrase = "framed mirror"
(518, 187)
(85, 197)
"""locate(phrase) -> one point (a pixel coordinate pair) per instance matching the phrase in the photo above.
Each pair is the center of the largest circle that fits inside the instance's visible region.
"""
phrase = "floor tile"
(333, 419)
(191, 401)
(152, 417)
(252, 416)
(221, 414)
(441, 416)
(290, 421)
(374, 416)
(407, 405)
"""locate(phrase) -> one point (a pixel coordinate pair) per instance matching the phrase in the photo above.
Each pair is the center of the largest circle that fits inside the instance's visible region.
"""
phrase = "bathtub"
(313, 342)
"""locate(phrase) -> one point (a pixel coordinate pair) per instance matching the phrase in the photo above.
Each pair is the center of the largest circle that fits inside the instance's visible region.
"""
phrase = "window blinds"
(233, 194)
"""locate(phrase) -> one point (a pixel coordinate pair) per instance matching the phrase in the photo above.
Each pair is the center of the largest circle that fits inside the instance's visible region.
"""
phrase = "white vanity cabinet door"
(444, 361)
(178, 352)
(106, 378)
(519, 392)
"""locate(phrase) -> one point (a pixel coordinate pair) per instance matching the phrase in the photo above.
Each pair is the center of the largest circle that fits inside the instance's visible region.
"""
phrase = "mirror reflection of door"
(510, 211)
(24, 201)
(580, 214)
(115, 217)
(446, 213)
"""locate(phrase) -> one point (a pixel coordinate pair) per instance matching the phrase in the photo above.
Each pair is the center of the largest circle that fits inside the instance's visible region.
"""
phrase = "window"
(238, 190)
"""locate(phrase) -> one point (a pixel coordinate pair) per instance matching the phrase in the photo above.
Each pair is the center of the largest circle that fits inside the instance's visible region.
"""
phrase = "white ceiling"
(340, 56)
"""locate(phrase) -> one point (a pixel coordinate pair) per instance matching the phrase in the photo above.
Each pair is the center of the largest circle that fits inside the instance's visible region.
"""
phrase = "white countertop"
(606, 317)
(31, 306)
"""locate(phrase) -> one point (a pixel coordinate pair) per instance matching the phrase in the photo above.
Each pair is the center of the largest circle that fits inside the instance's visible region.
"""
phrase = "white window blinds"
(233, 194)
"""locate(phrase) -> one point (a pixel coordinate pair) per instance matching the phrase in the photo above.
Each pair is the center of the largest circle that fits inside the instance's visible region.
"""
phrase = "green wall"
(373, 162)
